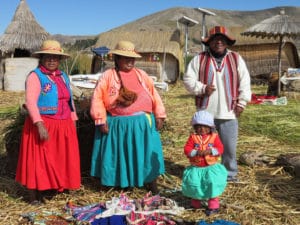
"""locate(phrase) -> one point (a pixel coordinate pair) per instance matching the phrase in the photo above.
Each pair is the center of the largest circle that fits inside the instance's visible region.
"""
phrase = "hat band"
(218, 30)
(126, 49)
(52, 48)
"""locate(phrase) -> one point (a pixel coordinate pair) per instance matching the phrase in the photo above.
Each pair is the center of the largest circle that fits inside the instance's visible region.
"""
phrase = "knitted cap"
(204, 118)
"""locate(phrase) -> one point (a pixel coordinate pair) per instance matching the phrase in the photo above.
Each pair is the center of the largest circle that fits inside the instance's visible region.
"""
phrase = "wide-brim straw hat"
(218, 30)
(125, 48)
(51, 47)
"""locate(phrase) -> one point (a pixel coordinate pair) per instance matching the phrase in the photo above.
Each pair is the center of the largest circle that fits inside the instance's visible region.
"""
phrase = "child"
(205, 178)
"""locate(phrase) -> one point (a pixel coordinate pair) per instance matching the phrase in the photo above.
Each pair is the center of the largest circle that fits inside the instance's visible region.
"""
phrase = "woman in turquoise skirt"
(206, 177)
(128, 112)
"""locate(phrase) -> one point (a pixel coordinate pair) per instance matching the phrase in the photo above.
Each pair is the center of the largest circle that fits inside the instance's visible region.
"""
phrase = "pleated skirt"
(204, 182)
(130, 155)
(51, 164)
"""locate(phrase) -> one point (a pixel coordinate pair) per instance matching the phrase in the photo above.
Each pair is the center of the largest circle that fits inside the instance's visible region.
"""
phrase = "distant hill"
(65, 39)
(167, 20)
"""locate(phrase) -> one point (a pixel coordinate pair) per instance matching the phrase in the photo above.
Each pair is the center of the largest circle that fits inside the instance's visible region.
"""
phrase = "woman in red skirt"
(49, 151)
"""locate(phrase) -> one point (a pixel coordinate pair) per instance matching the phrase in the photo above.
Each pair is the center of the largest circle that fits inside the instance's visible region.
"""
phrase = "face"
(125, 63)
(51, 62)
(218, 44)
(202, 129)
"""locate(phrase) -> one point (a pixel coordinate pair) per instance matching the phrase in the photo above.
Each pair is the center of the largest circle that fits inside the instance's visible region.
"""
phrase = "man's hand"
(238, 110)
(209, 89)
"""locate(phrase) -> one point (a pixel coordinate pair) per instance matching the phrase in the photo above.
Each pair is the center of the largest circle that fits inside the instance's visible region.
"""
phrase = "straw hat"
(218, 30)
(204, 118)
(51, 47)
(125, 48)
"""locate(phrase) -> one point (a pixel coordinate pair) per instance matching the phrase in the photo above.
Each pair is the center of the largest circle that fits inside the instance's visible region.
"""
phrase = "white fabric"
(217, 101)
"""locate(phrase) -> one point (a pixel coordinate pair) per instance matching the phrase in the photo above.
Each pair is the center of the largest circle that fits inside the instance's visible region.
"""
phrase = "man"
(220, 80)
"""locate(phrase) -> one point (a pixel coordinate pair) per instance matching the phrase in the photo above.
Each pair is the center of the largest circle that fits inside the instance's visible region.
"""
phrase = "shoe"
(196, 204)
(209, 212)
(152, 186)
(36, 203)
(232, 179)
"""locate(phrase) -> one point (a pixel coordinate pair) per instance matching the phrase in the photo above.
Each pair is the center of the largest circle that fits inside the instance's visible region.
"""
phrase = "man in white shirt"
(220, 80)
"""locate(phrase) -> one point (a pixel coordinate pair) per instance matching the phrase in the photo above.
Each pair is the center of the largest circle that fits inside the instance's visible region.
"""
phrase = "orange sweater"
(107, 91)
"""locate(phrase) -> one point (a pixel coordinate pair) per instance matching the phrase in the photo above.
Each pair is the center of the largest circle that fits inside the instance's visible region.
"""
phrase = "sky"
(92, 17)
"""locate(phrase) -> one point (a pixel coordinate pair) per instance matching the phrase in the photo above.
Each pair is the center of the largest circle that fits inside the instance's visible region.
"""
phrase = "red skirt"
(51, 164)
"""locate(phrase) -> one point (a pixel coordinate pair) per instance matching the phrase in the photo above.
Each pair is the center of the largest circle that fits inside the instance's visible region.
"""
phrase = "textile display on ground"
(268, 100)
(149, 210)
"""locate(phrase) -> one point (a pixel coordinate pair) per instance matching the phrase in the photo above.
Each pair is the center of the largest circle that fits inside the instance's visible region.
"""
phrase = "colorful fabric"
(231, 81)
(85, 213)
(204, 182)
(48, 99)
(154, 218)
(218, 104)
(218, 222)
(33, 85)
(51, 164)
(130, 155)
(47, 217)
(112, 220)
(143, 103)
(193, 143)
(107, 91)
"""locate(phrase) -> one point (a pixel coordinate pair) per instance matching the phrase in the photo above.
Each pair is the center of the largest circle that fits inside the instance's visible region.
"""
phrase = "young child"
(206, 177)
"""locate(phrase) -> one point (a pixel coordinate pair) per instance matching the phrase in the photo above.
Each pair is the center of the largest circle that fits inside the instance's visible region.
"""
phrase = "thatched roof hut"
(261, 55)
(166, 45)
(23, 34)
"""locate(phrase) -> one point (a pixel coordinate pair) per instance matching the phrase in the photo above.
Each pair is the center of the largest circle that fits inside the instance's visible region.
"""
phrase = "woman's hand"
(104, 128)
(43, 133)
(159, 123)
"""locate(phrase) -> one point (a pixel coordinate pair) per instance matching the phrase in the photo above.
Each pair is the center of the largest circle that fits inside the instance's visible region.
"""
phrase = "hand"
(238, 110)
(204, 152)
(43, 133)
(209, 89)
(159, 123)
(104, 128)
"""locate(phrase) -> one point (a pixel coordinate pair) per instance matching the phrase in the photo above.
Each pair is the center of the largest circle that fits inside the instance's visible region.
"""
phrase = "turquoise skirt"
(204, 182)
(130, 155)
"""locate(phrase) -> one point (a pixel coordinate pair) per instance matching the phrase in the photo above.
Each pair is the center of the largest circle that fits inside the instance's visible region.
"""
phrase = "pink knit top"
(33, 89)
(143, 102)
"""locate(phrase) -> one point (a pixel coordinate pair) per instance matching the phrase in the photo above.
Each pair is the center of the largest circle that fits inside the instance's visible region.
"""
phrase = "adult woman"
(49, 152)
(127, 111)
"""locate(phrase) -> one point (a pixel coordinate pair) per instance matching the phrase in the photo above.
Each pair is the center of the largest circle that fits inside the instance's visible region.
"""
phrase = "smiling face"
(201, 129)
(50, 62)
(218, 44)
(125, 63)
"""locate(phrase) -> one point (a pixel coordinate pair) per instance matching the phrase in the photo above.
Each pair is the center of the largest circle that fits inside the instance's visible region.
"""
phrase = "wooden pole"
(279, 65)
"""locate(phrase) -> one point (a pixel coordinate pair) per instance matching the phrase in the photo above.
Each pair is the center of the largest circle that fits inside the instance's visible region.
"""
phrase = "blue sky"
(90, 17)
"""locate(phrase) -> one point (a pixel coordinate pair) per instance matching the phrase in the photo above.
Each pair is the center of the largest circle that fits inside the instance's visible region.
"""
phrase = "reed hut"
(161, 51)
(22, 36)
(261, 55)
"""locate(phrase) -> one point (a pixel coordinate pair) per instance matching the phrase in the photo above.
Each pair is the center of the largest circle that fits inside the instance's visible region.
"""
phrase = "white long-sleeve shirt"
(217, 104)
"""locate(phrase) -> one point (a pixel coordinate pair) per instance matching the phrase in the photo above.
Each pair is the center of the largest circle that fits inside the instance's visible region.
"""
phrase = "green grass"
(278, 122)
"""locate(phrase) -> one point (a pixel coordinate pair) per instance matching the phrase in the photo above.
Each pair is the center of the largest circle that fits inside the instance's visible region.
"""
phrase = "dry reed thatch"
(145, 41)
(23, 32)
(265, 194)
